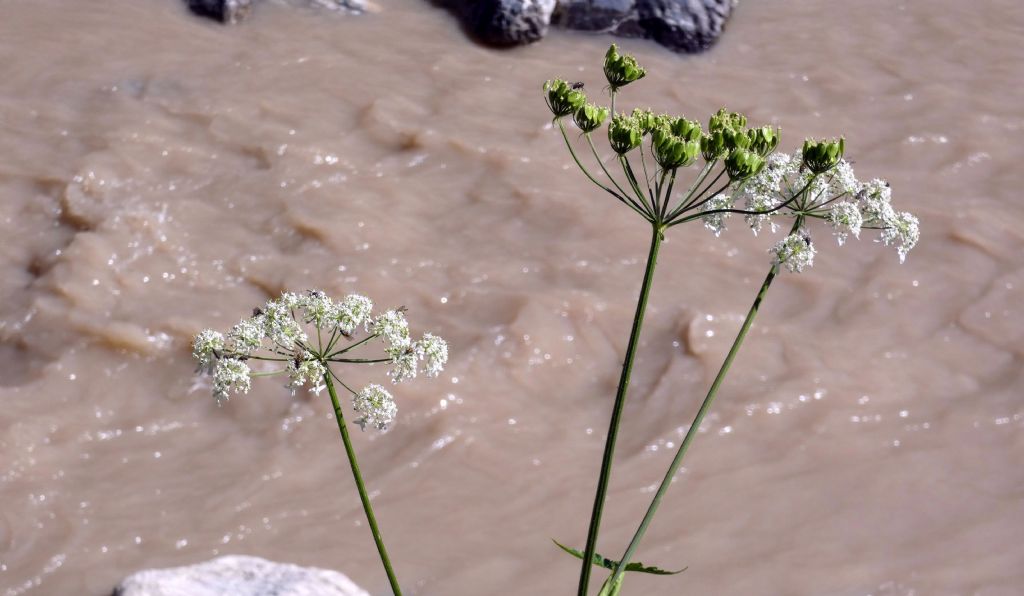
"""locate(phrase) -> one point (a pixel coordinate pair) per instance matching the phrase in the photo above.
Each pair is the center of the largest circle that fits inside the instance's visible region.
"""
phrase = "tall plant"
(737, 165)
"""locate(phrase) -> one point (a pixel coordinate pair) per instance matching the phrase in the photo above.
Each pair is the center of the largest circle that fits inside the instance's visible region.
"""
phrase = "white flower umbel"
(352, 312)
(795, 252)
(434, 351)
(230, 375)
(716, 221)
(403, 361)
(206, 345)
(247, 336)
(393, 327)
(279, 324)
(308, 372)
(846, 220)
(376, 405)
(903, 232)
(318, 309)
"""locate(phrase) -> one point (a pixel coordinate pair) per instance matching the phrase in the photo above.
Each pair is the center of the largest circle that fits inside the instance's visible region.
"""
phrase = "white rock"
(238, 576)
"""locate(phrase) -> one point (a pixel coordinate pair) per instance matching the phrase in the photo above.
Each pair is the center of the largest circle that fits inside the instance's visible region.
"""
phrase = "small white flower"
(308, 371)
(230, 375)
(376, 405)
(403, 362)
(795, 252)
(318, 308)
(716, 221)
(290, 300)
(352, 312)
(846, 219)
(392, 326)
(434, 351)
(206, 345)
(903, 231)
(246, 336)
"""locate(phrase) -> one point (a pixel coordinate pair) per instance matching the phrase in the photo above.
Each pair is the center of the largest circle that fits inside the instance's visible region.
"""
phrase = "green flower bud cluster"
(724, 119)
(589, 117)
(713, 146)
(672, 150)
(624, 134)
(822, 156)
(743, 164)
(621, 69)
(562, 99)
(686, 129)
(763, 140)
(646, 120)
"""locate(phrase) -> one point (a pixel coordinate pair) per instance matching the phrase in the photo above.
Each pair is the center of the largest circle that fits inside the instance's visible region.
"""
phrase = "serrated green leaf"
(610, 564)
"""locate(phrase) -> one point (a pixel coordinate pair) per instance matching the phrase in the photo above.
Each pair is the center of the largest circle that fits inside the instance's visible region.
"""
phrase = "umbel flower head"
(562, 98)
(621, 69)
(589, 117)
(306, 337)
(815, 183)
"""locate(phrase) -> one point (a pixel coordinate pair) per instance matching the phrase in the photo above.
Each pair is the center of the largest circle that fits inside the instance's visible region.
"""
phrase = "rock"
(355, 6)
(504, 23)
(596, 15)
(238, 576)
(684, 25)
(225, 11)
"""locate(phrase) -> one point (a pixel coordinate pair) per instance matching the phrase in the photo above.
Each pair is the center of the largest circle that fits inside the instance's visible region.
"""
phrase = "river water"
(160, 174)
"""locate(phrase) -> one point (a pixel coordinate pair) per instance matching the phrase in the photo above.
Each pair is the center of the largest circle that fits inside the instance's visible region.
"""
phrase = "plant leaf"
(610, 564)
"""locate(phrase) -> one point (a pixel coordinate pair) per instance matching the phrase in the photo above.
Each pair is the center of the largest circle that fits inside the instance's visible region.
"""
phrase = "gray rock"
(594, 15)
(238, 576)
(225, 11)
(684, 25)
(504, 23)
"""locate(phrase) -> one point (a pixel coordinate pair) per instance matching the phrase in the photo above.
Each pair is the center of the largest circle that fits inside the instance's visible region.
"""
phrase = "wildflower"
(318, 308)
(742, 164)
(403, 361)
(376, 405)
(393, 327)
(874, 198)
(846, 219)
(434, 351)
(763, 140)
(307, 371)
(795, 251)
(646, 120)
(723, 119)
(246, 336)
(713, 146)
(763, 204)
(902, 231)
(716, 221)
(206, 346)
(352, 312)
(278, 323)
(673, 151)
(230, 375)
(843, 180)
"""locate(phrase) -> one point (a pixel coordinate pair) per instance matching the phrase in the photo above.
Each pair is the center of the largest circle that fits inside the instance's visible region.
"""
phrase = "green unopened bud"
(822, 156)
(723, 119)
(624, 134)
(589, 116)
(743, 164)
(713, 146)
(621, 69)
(736, 138)
(687, 129)
(673, 151)
(561, 98)
(646, 120)
(763, 140)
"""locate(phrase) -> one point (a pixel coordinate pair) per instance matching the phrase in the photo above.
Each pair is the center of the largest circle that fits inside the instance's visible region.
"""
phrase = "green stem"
(698, 419)
(370, 518)
(620, 401)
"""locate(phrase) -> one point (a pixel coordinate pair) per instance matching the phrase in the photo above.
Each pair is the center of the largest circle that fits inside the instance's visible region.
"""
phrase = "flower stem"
(343, 428)
(698, 419)
(620, 400)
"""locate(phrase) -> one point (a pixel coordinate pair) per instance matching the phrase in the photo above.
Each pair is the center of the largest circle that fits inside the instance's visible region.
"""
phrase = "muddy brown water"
(159, 174)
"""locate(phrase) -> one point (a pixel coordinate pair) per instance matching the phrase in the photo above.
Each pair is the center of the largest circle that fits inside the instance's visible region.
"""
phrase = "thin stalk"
(367, 508)
(698, 419)
(620, 401)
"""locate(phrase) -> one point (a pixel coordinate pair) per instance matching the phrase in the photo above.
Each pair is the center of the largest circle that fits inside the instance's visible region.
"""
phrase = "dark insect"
(257, 311)
(577, 85)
